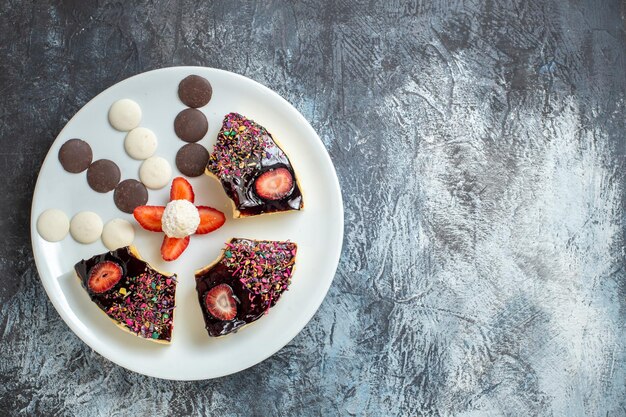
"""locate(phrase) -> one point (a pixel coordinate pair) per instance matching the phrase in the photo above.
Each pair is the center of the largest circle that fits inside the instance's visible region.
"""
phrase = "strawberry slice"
(220, 303)
(210, 219)
(103, 276)
(149, 217)
(274, 184)
(181, 190)
(172, 247)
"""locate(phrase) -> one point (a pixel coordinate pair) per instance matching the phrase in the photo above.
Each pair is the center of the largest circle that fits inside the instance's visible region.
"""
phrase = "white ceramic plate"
(318, 229)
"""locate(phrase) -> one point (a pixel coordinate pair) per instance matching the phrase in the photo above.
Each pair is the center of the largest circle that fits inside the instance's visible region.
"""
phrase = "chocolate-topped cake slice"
(246, 280)
(138, 298)
(254, 171)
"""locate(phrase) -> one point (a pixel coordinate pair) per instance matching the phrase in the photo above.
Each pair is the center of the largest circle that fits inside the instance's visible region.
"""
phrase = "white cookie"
(53, 225)
(125, 115)
(155, 172)
(140, 143)
(118, 233)
(86, 227)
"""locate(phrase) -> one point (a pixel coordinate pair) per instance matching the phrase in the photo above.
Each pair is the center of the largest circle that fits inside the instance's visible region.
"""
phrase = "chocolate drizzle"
(245, 150)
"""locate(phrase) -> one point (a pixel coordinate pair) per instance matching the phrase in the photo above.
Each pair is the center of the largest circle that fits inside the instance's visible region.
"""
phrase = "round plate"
(318, 229)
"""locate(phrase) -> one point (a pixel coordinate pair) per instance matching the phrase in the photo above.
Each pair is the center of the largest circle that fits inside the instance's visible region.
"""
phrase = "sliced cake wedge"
(137, 297)
(242, 285)
(254, 171)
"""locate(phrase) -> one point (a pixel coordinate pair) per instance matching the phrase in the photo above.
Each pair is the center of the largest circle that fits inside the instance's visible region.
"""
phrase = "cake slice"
(254, 171)
(246, 280)
(138, 298)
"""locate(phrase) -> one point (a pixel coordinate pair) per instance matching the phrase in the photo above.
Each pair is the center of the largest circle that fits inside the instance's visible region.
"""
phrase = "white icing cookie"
(140, 143)
(53, 225)
(86, 227)
(155, 172)
(125, 115)
(118, 233)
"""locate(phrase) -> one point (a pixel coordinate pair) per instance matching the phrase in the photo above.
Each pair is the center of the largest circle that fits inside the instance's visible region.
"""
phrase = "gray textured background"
(481, 150)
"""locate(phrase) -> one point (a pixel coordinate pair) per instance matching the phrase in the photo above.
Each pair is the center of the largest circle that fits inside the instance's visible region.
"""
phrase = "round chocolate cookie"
(103, 175)
(191, 159)
(191, 125)
(130, 194)
(75, 156)
(195, 91)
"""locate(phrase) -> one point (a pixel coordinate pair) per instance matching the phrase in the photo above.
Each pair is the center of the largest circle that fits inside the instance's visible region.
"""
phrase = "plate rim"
(74, 326)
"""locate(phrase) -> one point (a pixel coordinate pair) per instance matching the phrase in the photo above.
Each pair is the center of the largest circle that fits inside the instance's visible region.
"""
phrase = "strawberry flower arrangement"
(179, 219)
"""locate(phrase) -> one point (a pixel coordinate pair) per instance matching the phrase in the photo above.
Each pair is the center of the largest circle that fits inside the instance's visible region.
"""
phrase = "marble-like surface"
(481, 150)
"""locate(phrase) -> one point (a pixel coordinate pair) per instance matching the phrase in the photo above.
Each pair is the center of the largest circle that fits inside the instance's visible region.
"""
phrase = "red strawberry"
(220, 302)
(210, 219)
(149, 217)
(172, 247)
(274, 184)
(181, 190)
(103, 276)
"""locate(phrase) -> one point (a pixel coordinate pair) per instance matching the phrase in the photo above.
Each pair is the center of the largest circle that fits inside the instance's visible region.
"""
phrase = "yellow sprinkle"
(123, 291)
(242, 128)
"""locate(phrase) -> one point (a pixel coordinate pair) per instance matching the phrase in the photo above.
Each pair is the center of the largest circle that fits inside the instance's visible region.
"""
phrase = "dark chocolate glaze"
(242, 192)
(131, 266)
(246, 313)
